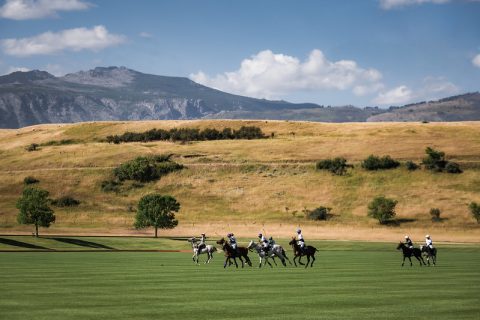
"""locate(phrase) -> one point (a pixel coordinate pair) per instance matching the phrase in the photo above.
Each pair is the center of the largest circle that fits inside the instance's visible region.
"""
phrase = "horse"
(407, 253)
(274, 251)
(429, 253)
(308, 251)
(208, 249)
(230, 253)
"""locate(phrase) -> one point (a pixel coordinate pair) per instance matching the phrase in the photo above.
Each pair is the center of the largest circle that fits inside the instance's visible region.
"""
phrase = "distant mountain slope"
(118, 93)
(458, 108)
(112, 93)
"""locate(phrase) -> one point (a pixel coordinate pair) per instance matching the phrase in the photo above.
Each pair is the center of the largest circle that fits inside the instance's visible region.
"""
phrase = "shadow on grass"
(21, 244)
(398, 222)
(82, 243)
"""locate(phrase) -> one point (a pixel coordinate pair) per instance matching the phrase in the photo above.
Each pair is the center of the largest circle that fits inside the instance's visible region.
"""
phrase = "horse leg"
(225, 264)
(260, 264)
(266, 260)
(308, 261)
(273, 258)
(300, 260)
(294, 260)
(409, 258)
(403, 261)
(313, 260)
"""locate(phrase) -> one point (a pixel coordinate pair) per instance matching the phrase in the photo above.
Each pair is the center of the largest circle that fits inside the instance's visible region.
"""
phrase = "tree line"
(188, 134)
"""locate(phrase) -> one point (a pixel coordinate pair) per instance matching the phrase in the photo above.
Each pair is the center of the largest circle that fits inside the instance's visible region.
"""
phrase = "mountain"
(118, 93)
(464, 107)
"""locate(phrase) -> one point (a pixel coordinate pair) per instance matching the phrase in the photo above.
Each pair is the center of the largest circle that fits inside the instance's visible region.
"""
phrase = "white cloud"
(14, 69)
(476, 61)
(272, 75)
(432, 88)
(77, 39)
(145, 34)
(36, 9)
(391, 4)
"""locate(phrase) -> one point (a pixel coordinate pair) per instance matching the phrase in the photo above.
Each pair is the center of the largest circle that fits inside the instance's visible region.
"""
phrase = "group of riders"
(267, 244)
(428, 243)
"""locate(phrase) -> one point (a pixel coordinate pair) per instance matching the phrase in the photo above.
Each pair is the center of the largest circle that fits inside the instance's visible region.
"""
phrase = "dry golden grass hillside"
(252, 185)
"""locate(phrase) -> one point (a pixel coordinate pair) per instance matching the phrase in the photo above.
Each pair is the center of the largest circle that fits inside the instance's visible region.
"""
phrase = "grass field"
(349, 281)
(242, 184)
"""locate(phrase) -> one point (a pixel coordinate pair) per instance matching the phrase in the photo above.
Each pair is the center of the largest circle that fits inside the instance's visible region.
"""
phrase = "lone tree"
(34, 209)
(475, 210)
(337, 166)
(155, 210)
(382, 209)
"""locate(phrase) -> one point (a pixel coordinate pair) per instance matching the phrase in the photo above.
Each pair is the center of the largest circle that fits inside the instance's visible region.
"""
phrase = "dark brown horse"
(230, 253)
(408, 253)
(308, 251)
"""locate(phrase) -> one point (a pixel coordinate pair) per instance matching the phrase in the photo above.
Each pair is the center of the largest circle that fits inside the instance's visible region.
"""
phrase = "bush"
(435, 213)
(320, 213)
(475, 210)
(65, 201)
(411, 166)
(110, 186)
(145, 169)
(337, 166)
(382, 209)
(188, 134)
(30, 180)
(435, 161)
(453, 167)
(32, 147)
(377, 163)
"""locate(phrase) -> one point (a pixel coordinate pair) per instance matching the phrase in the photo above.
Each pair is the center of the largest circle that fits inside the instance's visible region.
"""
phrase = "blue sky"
(361, 52)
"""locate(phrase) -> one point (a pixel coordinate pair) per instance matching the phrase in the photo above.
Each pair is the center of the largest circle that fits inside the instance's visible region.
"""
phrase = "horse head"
(221, 241)
(293, 241)
(400, 245)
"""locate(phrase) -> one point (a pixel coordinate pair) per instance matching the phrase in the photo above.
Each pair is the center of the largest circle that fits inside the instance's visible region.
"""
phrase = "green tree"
(475, 210)
(382, 209)
(337, 166)
(155, 210)
(34, 209)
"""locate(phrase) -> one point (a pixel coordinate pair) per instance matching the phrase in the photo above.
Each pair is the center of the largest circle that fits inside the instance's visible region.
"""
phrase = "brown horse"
(308, 251)
(231, 253)
(408, 253)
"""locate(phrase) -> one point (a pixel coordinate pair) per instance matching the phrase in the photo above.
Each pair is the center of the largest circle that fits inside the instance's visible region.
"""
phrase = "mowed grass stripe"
(342, 285)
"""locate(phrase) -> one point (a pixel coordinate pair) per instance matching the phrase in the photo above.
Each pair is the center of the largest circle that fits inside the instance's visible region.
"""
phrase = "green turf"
(349, 281)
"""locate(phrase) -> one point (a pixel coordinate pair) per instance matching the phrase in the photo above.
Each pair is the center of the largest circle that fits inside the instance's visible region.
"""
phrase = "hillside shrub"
(453, 167)
(65, 201)
(188, 134)
(337, 166)
(320, 213)
(435, 161)
(110, 186)
(30, 180)
(435, 214)
(145, 169)
(382, 209)
(32, 147)
(411, 166)
(379, 163)
(475, 210)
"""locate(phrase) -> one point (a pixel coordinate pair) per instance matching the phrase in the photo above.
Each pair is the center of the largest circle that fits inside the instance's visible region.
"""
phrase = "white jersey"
(300, 237)
(429, 242)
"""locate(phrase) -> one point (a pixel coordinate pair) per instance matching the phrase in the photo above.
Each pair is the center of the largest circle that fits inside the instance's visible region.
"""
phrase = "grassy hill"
(251, 185)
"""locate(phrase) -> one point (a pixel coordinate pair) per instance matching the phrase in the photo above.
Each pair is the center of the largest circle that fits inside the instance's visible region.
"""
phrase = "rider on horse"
(408, 242)
(429, 243)
(202, 243)
(271, 242)
(233, 241)
(300, 240)
(265, 243)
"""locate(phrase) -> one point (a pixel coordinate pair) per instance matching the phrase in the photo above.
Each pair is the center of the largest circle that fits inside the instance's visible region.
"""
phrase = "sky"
(358, 52)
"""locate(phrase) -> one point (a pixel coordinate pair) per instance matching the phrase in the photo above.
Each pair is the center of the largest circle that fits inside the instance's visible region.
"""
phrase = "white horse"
(208, 249)
(275, 251)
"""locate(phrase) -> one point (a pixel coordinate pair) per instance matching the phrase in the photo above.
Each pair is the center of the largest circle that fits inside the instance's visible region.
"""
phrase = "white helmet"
(406, 237)
(427, 236)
